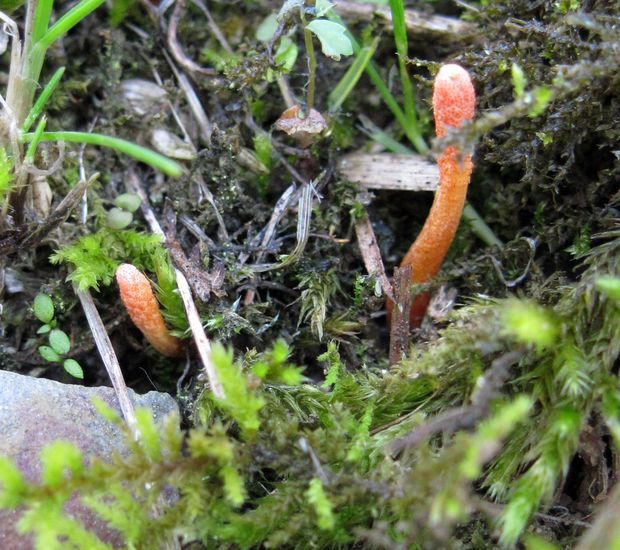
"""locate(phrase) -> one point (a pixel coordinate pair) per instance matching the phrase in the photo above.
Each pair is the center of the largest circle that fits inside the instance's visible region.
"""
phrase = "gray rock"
(36, 411)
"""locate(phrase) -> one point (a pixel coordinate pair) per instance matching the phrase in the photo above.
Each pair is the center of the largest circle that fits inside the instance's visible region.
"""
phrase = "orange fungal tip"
(454, 98)
(141, 304)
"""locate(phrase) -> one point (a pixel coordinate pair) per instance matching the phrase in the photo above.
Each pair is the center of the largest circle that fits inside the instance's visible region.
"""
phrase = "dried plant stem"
(202, 342)
(369, 248)
(175, 47)
(108, 356)
(399, 328)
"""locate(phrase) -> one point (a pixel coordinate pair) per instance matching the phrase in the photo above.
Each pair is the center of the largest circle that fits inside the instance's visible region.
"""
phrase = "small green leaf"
(6, 172)
(333, 38)
(11, 483)
(322, 7)
(59, 341)
(519, 80)
(44, 329)
(291, 376)
(263, 148)
(260, 370)
(286, 54)
(267, 28)
(48, 354)
(58, 460)
(118, 219)
(73, 368)
(233, 485)
(130, 202)
(43, 308)
(346, 84)
(149, 438)
(280, 352)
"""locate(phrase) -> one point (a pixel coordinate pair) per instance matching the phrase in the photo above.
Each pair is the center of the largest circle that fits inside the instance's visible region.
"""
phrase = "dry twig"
(371, 254)
(175, 47)
(390, 171)
(108, 356)
(399, 328)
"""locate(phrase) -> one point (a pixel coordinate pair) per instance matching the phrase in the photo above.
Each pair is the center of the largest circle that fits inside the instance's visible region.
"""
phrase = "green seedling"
(59, 343)
(121, 215)
(332, 36)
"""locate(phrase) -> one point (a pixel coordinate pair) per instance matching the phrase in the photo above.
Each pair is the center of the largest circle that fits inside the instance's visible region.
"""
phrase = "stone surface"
(36, 411)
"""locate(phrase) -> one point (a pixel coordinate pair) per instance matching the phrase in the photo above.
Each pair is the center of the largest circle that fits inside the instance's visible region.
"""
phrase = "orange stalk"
(454, 102)
(141, 304)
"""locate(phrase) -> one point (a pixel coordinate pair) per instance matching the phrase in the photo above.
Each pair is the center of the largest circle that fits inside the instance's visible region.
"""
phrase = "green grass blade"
(400, 40)
(68, 21)
(42, 100)
(349, 80)
(382, 138)
(479, 227)
(166, 165)
(34, 143)
(43, 12)
(387, 97)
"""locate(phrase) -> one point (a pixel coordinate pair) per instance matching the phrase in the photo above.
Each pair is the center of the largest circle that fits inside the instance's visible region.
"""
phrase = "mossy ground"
(537, 451)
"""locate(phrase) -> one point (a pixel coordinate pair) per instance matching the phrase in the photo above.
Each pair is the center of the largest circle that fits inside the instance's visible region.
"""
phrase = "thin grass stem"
(160, 162)
(400, 40)
(311, 70)
(346, 84)
(42, 16)
(43, 98)
(384, 92)
(68, 21)
(34, 143)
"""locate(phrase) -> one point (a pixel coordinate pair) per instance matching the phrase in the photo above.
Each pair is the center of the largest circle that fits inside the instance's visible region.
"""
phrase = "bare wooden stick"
(108, 356)
(390, 171)
(175, 47)
(399, 329)
(202, 342)
(367, 243)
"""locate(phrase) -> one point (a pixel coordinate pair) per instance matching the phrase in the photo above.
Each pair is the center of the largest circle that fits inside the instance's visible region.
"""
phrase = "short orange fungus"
(141, 304)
